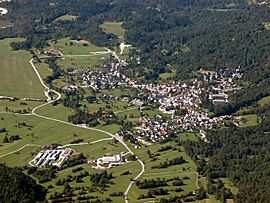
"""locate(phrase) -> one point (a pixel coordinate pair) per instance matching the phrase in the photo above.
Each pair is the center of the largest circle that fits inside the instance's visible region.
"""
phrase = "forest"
(19, 187)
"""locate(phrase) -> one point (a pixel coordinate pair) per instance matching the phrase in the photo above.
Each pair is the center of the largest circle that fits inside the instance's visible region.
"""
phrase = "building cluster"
(224, 81)
(102, 80)
(154, 130)
(193, 121)
(111, 79)
(54, 157)
(181, 100)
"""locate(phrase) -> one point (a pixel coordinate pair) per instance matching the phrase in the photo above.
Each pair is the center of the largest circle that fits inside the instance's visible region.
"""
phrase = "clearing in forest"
(114, 28)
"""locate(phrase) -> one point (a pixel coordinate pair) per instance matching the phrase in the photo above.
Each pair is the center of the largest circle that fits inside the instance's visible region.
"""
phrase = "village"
(181, 101)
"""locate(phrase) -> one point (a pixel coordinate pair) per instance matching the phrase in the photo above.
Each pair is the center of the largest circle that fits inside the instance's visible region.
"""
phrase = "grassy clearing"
(66, 17)
(82, 63)
(251, 120)
(166, 76)
(228, 184)
(43, 70)
(72, 47)
(17, 78)
(114, 28)
(100, 149)
(264, 101)
(187, 136)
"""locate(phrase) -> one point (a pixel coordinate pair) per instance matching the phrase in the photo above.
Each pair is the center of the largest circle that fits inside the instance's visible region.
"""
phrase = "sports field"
(17, 78)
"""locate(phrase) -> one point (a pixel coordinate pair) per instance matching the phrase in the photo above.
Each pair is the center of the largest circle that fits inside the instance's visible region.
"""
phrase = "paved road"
(49, 101)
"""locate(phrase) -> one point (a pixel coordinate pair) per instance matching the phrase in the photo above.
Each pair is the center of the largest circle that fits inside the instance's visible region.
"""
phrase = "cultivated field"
(17, 78)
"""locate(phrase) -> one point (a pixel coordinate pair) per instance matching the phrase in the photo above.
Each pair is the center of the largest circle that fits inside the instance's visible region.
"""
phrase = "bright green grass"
(66, 17)
(67, 48)
(43, 132)
(17, 78)
(167, 75)
(100, 149)
(264, 101)
(188, 187)
(43, 70)
(17, 105)
(120, 182)
(187, 136)
(169, 172)
(85, 62)
(59, 112)
(114, 28)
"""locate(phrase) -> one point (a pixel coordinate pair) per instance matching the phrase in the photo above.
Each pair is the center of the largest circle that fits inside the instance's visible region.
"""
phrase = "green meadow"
(114, 28)
(17, 78)
(74, 47)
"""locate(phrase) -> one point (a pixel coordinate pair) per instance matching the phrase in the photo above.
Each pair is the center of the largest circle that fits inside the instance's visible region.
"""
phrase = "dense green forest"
(17, 187)
(241, 154)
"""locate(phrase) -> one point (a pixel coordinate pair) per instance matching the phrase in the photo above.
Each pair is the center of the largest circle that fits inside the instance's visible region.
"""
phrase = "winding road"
(50, 100)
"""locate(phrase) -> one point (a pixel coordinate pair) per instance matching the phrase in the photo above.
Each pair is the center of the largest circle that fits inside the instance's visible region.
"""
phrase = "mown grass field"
(18, 105)
(93, 62)
(17, 78)
(114, 28)
(73, 47)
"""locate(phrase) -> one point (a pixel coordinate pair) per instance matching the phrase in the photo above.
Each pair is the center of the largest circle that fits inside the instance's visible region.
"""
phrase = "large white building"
(110, 161)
